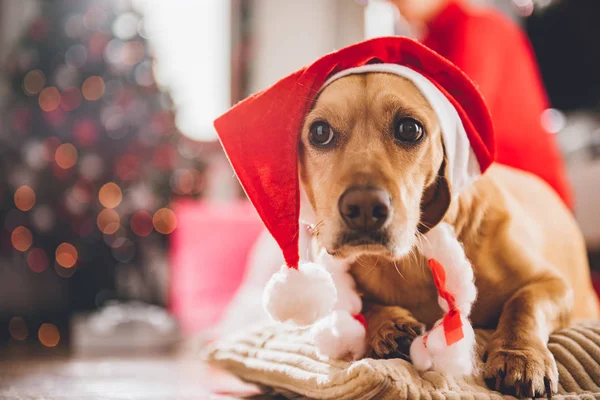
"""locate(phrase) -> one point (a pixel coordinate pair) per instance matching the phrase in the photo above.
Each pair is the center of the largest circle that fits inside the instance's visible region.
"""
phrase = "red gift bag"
(208, 257)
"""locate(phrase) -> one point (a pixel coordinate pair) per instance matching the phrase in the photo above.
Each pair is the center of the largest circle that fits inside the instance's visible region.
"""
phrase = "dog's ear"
(436, 200)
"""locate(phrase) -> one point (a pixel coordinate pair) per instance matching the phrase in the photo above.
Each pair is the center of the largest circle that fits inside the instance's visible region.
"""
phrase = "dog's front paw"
(392, 333)
(524, 369)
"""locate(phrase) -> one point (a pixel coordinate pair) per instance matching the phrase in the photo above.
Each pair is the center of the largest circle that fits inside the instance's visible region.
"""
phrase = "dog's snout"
(365, 208)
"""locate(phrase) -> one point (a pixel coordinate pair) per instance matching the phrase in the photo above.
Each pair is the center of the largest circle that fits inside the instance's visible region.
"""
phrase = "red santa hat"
(260, 136)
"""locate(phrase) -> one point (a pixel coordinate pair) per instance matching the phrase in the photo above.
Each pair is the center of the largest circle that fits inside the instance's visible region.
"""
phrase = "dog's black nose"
(365, 208)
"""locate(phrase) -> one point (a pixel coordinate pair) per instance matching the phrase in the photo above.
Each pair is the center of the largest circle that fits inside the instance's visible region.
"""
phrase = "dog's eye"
(408, 130)
(321, 134)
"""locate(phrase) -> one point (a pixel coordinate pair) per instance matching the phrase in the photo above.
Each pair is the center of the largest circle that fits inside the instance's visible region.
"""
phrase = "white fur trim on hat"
(464, 167)
(301, 296)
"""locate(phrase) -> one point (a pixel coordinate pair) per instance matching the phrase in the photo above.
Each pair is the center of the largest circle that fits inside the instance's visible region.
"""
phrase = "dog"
(372, 164)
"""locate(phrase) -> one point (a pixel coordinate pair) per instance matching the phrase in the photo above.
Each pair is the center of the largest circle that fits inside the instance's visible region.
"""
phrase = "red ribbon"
(361, 318)
(452, 323)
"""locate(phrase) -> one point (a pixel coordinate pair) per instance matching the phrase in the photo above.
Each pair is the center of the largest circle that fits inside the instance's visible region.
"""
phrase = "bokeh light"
(20, 175)
(183, 181)
(82, 191)
(65, 156)
(49, 335)
(96, 44)
(55, 118)
(141, 223)
(164, 157)
(524, 7)
(108, 221)
(125, 26)
(93, 88)
(76, 56)
(164, 221)
(24, 198)
(113, 51)
(34, 82)
(110, 195)
(73, 205)
(187, 181)
(64, 272)
(18, 329)
(94, 17)
(66, 255)
(124, 250)
(142, 197)
(116, 238)
(37, 260)
(43, 218)
(91, 166)
(21, 238)
(113, 119)
(143, 74)
(74, 26)
(70, 99)
(132, 52)
(128, 167)
(553, 120)
(49, 99)
(66, 76)
(49, 146)
(33, 153)
(85, 132)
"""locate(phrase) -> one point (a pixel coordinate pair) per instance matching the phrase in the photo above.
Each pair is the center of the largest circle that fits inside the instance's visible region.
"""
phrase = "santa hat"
(260, 136)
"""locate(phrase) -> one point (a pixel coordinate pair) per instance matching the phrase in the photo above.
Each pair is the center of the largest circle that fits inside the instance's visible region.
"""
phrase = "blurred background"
(117, 206)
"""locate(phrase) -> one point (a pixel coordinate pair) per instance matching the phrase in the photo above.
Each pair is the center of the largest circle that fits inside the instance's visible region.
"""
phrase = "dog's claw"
(499, 379)
(548, 387)
(411, 331)
(530, 390)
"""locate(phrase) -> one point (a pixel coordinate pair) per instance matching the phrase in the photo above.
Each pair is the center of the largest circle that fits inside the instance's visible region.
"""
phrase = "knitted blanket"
(282, 360)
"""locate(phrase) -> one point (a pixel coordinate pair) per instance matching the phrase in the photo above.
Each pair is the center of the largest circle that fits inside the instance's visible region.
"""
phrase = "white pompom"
(456, 359)
(340, 335)
(301, 296)
(419, 355)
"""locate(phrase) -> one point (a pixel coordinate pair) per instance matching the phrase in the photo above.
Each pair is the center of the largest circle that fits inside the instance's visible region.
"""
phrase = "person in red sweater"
(497, 56)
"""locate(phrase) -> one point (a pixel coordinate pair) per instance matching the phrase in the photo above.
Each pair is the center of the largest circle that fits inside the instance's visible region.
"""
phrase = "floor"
(147, 378)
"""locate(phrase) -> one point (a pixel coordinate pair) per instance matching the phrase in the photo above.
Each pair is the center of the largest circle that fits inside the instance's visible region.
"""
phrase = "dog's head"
(372, 164)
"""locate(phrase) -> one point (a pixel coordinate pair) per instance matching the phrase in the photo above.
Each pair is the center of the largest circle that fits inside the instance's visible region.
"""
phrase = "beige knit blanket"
(282, 360)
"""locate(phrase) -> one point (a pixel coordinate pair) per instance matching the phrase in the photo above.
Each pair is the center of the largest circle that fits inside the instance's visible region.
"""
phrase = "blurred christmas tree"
(90, 159)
